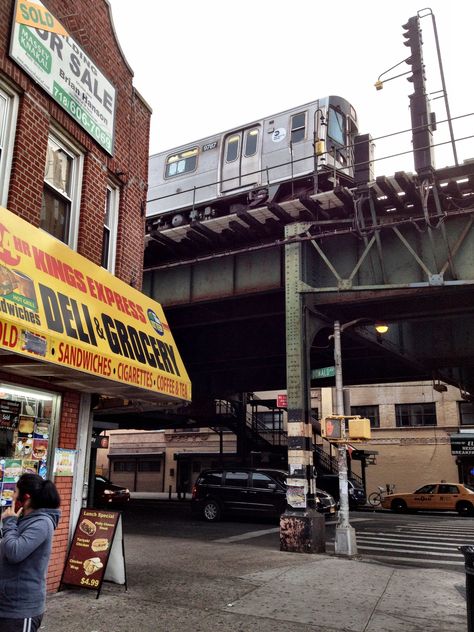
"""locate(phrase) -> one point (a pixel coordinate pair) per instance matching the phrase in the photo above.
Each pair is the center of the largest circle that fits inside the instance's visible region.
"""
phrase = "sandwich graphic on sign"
(92, 565)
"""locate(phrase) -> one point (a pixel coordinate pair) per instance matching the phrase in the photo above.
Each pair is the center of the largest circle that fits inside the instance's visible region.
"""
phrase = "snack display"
(92, 565)
(26, 425)
(100, 544)
(87, 527)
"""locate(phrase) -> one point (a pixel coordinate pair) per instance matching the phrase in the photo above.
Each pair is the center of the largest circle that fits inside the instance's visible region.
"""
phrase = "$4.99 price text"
(87, 581)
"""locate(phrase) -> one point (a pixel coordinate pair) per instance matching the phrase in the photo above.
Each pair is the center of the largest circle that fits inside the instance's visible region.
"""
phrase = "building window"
(369, 412)
(415, 414)
(8, 111)
(298, 127)
(251, 141)
(149, 466)
(124, 466)
(109, 237)
(271, 419)
(60, 205)
(183, 162)
(466, 413)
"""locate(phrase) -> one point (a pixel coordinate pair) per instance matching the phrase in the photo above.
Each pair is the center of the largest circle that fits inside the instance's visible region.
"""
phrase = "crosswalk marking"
(395, 550)
(394, 558)
(391, 542)
(415, 537)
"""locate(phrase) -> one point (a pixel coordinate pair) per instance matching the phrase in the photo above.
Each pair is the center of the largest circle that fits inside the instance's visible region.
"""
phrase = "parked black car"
(330, 483)
(247, 491)
(106, 494)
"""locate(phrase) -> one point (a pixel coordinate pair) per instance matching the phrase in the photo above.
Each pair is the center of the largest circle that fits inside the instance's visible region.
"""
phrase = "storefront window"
(27, 430)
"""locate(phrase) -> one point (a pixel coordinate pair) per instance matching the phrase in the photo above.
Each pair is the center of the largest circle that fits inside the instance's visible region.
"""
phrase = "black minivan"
(246, 491)
(330, 483)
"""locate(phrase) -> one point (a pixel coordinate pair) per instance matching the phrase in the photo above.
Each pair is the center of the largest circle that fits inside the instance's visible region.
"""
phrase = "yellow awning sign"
(38, 17)
(59, 307)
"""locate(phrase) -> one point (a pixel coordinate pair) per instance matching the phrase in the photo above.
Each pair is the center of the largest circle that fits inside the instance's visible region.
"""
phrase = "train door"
(241, 159)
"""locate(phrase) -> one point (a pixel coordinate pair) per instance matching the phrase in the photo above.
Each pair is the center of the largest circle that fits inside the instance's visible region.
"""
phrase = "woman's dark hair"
(43, 493)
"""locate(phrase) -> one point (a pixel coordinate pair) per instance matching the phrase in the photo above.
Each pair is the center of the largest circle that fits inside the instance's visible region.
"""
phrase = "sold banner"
(59, 307)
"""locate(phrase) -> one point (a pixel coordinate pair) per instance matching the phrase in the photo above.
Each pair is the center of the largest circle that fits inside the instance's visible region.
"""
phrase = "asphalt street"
(428, 540)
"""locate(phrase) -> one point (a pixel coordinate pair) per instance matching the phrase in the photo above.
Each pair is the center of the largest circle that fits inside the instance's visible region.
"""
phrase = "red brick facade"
(90, 26)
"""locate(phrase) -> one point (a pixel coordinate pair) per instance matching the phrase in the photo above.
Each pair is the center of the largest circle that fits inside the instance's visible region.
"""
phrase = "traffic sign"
(327, 371)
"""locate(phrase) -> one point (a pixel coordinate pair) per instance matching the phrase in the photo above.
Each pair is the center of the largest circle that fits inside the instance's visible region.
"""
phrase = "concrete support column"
(302, 528)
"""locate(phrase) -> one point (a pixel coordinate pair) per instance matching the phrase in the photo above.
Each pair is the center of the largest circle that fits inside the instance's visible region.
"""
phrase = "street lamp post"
(345, 543)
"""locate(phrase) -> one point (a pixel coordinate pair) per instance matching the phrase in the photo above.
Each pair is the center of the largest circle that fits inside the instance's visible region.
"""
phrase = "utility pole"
(345, 542)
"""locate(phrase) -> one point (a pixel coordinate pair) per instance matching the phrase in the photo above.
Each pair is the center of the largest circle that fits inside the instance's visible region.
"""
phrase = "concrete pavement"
(177, 584)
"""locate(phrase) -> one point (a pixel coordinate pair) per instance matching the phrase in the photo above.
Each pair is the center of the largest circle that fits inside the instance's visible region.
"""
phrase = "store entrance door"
(184, 477)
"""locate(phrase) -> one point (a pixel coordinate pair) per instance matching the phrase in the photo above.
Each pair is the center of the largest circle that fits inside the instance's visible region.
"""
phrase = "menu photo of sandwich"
(92, 565)
(40, 449)
(99, 544)
(13, 470)
(26, 425)
(87, 527)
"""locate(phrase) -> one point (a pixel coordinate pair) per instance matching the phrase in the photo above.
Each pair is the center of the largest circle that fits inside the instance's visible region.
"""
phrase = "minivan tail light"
(194, 492)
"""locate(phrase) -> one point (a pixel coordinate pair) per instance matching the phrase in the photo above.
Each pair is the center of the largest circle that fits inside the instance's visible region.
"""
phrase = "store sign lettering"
(58, 306)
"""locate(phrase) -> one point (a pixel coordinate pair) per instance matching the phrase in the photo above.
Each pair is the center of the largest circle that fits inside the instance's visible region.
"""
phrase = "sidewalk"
(179, 585)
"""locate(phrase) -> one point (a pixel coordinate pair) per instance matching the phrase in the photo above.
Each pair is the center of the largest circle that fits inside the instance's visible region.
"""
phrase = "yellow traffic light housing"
(359, 429)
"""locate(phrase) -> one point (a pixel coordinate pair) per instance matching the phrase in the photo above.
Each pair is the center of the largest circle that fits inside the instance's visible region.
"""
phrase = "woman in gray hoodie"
(24, 553)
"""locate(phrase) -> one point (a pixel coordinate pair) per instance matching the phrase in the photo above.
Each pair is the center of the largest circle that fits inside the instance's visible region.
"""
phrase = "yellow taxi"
(434, 497)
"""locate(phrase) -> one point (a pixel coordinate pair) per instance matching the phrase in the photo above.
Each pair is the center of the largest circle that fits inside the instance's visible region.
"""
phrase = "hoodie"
(24, 555)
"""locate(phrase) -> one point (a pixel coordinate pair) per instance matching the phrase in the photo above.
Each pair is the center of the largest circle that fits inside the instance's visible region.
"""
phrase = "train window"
(181, 163)
(232, 148)
(337, 126)
(251, 140)
(298, 127)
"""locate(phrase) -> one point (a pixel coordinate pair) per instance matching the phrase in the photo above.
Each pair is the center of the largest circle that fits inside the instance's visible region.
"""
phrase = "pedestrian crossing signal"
(332, 428)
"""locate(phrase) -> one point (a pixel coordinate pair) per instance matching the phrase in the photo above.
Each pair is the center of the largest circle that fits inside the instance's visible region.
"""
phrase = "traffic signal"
(414, 42)
(333, 428)
(421, 117)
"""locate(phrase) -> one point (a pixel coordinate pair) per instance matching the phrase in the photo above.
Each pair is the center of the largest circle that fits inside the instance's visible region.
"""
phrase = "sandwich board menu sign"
(96, 552)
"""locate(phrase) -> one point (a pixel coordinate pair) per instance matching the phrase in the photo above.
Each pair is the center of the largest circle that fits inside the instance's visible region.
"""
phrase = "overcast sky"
(208, 66)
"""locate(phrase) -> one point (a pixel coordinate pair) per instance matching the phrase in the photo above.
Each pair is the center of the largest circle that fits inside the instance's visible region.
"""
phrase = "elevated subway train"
(303, 150)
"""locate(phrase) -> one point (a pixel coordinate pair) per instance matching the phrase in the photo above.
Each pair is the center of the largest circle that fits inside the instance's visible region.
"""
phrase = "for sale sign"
(46, 51)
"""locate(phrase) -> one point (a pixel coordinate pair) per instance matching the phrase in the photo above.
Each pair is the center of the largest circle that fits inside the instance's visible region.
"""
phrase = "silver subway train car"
(303, 150)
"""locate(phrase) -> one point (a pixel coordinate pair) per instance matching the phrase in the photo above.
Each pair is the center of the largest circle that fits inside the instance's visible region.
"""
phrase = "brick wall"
(67, 439)
(90, 26)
